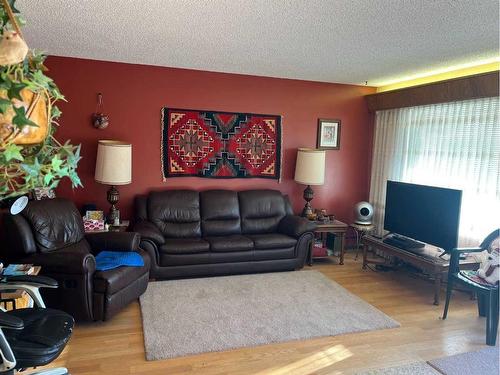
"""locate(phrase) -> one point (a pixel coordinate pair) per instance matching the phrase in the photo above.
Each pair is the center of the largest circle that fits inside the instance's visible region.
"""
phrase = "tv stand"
(402, 242)
(427, 258)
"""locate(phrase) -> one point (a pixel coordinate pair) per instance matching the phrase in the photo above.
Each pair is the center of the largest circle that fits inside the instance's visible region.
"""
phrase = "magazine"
(18, 270)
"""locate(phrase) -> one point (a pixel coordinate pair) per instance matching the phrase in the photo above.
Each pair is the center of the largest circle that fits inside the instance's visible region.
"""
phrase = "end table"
(336, 227)
(361, 230)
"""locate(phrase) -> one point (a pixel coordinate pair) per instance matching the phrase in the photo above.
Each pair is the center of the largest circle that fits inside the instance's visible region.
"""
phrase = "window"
(455, 145)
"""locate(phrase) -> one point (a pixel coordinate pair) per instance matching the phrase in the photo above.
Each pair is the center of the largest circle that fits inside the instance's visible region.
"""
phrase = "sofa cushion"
(184, 246)
(261, 211)
(271, 241)
(169, 260)
(234, 242)
(275, 254)
(220, 213)
(175, 212)
(112, 281)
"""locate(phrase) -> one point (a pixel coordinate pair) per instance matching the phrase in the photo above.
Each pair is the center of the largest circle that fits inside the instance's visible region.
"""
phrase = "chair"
(487, 294)
(50, 233)
(32, 337)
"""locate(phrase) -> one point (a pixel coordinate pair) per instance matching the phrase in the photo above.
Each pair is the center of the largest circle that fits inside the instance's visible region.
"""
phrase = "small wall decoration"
(220, 144)
(328, 134)
(100, 120)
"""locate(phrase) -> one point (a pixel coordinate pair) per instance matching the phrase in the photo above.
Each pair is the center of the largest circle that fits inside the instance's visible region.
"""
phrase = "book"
(18, 270)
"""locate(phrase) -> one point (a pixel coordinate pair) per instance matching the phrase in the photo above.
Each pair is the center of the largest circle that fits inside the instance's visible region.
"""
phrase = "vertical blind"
(454, 145)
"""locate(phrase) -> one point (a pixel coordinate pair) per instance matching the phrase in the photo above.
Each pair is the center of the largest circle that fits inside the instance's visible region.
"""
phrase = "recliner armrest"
(113, 241)
(295, 226)
(73, 259)
(10, 321)
(149, 231)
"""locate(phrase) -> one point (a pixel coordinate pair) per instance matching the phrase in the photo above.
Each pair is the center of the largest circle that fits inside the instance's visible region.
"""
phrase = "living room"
(249, 187)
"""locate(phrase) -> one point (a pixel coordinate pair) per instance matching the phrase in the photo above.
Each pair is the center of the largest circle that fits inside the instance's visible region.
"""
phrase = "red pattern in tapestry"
(220, 144)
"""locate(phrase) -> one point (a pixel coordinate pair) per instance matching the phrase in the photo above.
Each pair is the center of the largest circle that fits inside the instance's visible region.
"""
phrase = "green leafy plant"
(25, 167)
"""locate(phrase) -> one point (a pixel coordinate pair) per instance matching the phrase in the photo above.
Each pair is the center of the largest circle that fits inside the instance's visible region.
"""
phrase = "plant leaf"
(56, 163)
(5, 104)
(13, 152)
(14, 90)
(20, 118)
(47, 178)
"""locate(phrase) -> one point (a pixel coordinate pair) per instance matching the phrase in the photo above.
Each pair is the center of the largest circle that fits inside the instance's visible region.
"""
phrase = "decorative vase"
(37, 111)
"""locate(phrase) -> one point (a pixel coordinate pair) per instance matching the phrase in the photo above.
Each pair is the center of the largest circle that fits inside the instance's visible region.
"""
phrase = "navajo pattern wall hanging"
(220, 144)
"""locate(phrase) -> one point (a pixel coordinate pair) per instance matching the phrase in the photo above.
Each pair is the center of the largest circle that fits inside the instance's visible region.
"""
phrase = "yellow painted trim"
(441, 76)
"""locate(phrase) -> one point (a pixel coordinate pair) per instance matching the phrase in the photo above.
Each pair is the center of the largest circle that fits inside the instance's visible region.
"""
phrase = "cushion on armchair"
(108, 260)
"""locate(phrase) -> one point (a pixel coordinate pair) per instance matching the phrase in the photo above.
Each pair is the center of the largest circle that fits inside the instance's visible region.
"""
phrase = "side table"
(361, 230)
(122, 227)
(336, 227)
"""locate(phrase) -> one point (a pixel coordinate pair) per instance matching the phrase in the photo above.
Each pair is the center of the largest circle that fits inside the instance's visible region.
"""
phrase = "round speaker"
(363, 212)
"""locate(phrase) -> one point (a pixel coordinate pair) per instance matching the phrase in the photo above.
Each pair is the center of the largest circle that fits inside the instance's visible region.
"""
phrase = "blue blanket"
(108, 260)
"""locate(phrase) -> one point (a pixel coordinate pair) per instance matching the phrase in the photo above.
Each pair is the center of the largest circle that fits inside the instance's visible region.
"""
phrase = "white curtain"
(455, 145)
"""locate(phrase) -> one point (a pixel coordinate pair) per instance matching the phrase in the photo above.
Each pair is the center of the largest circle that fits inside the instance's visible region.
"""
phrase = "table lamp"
(309, 170)
(113, 167)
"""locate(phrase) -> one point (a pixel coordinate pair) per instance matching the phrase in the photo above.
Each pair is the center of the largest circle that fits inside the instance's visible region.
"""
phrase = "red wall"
(134, 95)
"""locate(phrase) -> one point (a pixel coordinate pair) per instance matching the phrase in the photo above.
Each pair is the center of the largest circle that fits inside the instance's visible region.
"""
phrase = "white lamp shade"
(310, 166)
(114, 163)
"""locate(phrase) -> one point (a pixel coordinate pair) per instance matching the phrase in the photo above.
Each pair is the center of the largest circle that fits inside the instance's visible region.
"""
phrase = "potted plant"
(30, 155)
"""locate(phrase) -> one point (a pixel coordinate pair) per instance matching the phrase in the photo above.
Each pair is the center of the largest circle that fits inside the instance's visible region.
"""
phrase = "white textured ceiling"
(347, 41)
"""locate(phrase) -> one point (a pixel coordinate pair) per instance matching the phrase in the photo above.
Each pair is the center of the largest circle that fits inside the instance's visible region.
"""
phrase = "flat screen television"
(425, 213)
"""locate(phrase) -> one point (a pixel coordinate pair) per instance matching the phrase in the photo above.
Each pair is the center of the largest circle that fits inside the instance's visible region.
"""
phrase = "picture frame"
(40, 193)
(328, 137)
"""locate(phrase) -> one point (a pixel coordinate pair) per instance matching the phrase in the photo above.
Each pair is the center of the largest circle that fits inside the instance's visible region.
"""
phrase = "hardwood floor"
(116, 347)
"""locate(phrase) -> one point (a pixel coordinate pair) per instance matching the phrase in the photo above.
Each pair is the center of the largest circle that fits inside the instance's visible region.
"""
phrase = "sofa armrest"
(295, 226)
(74, 259)
(113, 241)
(149, 231)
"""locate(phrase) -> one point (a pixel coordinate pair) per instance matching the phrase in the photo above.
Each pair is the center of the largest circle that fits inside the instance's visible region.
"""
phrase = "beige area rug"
(416, 368)
(183, 317)
(481, 362)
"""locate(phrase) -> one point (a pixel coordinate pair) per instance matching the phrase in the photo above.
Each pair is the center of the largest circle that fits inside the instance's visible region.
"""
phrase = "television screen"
(425, 213)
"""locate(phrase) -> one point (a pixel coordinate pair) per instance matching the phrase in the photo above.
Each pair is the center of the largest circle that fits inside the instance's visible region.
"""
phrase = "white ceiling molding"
(345, 41)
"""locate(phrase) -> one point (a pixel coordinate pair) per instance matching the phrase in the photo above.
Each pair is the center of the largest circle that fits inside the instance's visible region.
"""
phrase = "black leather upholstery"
(112, 281)
(295, 226)
(52, 232)
(261, 211)
(215, 232)
(44, 336)
(150, 231)
(184, 246)
(220, 212)
(272, 241)
(234, 242)
(54, 229)
(175, 212)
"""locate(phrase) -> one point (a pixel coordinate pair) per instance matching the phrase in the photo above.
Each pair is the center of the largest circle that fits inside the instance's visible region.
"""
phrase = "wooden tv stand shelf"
(426, 258)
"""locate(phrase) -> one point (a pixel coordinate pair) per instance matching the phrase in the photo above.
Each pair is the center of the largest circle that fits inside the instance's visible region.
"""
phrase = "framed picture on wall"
(328, 134)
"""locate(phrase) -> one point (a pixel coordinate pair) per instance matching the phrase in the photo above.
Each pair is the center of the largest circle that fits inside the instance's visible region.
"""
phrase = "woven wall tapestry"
(220, 144)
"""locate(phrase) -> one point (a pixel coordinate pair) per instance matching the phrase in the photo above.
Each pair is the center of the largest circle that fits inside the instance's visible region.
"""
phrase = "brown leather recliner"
(50, 233)
(189, 233)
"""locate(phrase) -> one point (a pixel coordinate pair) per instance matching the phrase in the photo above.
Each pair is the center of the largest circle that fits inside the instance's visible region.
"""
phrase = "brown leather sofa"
(50, 233)
(215, 232)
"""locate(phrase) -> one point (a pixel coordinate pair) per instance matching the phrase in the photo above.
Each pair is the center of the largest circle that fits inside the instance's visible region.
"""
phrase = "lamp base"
(308, 197)
(113, 197)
